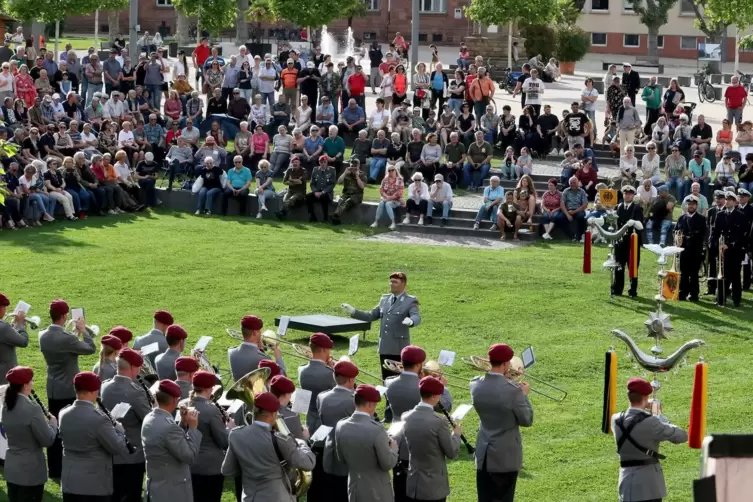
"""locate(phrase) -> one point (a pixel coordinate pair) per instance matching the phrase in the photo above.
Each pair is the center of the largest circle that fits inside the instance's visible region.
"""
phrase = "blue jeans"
(269, 97)
(468, 173)
(573, 228)
(388, 207)
(264, 196)
(676, 182)
(490, 137)
(206, 197)
(90, 90)
(545, 218)
(446, 206)
(148, 186)
(155, 95)
(455, 105)
(81, 199)
(462, 63)
(49, 203)
(376, 167)
(665, 225)
(487, 212)
(36, 206)
(747, 185)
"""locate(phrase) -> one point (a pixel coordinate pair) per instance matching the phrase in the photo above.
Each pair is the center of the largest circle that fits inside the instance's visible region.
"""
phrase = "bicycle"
(706, 91)
(746, 80)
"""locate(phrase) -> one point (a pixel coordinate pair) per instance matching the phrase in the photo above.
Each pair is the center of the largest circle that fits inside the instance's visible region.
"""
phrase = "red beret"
(87, 381)
(368, 392)
(274, 369)
(176, 332)
(132, 357)
(252, 322)
(431, 385)
(112, 342)
(164, 317)
(322, 340)
(346, 369)
(4, 301)
(639, 386)
(500, 353)
(169, 387)
(399, 275)
(187, 364)
(19, 375)
(266, 401)
(124, 334)
(282, 384)
(59, 307)
(204, 380)
(412, 354)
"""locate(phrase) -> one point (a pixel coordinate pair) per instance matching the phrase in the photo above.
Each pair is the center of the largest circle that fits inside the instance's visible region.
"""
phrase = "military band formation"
(121, 433)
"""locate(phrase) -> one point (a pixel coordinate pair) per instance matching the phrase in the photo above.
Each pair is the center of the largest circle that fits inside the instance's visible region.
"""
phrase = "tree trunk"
(181, 28)
(241, 25)
(112, 25)
(57, 39)
(653, 45)
(96, 27)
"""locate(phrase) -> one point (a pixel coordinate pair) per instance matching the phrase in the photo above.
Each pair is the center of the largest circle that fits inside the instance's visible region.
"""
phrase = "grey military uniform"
(165, 364)
(169, 452)
(185, 388)
(644, 482)
(393, 334)
(213, 438)
(109, 370)
(89, 443)
(121, 389)
(293, 421)
(316, 377)
(252, 455)
(154, 336)
(502, 409)
(244, 359)
(429, 440)
(334, 405)
(10, 338)
(363, 446)
(61, 350)
(28, 432)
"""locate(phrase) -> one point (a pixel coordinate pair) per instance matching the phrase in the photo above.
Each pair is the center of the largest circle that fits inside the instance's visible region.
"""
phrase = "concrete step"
(456, 222)
(484, 232)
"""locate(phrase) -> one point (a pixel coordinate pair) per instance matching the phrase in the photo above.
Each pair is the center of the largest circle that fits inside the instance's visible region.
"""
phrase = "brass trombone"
(33, 322)
(517, 374)
(430, 368)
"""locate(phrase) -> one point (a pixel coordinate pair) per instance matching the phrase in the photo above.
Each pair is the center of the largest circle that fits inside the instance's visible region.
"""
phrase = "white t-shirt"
(645, 195)
(267, 85)
(23, 182)
(588, 105)
(123, 171)
(726, 171)
(533, 89)
(628, 165)
(89, 138)
(6, 82)
(650, 167)
(125, 138)
(380, 119)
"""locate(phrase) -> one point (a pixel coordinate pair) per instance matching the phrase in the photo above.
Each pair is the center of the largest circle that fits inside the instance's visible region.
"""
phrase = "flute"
(46, 412)
(468, 446)
(104, 410)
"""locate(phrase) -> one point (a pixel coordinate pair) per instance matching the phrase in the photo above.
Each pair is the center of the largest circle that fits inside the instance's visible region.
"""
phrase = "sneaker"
(208, 213)
(547, 237)
(119, 211)
(48, 217)
(475, 226)
(112, 212)
(373, 225)
(159, 202)
(494, 227)
(258, 215)
(583, 238)
(393, 226)
(197, 213)
(406, 220)
(421, 220)
(263, 208)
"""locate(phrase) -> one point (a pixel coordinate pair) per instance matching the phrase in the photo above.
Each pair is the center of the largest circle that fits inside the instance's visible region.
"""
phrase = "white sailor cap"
(730, 195)
(692, 198)
(628, 188)
(742, 191)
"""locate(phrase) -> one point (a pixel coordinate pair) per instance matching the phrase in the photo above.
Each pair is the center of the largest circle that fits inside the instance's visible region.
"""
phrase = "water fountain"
(331, 46)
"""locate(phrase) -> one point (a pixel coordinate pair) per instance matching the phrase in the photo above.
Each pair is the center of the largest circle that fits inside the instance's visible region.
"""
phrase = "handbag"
(197, 185)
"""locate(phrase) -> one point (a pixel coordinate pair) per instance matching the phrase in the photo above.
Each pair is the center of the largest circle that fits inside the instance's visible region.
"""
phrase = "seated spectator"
(264, 187)
(173, 108)
(113, 194)
(352, 119)
(489, 125)
(527, 133)
(440, 197)
(313, 147)
(378, 157)
(379, 119)
(546, 127)
(569, 166)
(31, 185)
(180, 157)
(682, 137)
(628, 165)
(402, 123)
(431, 123)
(238, 108)
(466, 124)
(141, 145)
(701, 135)
(745, 174)
(493, 197)
(43, 84)
(431, 154)
(194, 108)
(651, 163)
(353, 181)
(598, 210)
(446, 124)
(725, 173)
(258, 147)
(258, 114)
(191, 135)
(582, 153)
(646, 196)
(414, 149)
(282, 144)
(744, 139)
(396, 152)
(243, 146)
(236, 185)
(126, 179)
(146, 176)
(218, 134)
(525, 197)
(113, 176)
(723, 140)
(418, 199)
(610, 138)
(703, 203)
(572, 213)
(550, 207)
(675, 170)
(661, 216)
(524, 164)
(113, 108)
(391, 191)
(90, 141)
(509, 217)
(699, 171)
(660, 135)
(281, 114)
(322, 189)
(361, 146)
(295, 179)
(325, 113)
(417, 120)
(210, 149)
(454, 160)
(478, 161)
(507, 128)
(302, 115)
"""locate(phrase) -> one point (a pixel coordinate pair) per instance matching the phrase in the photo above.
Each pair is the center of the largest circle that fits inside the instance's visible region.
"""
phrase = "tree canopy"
(48, 11)
(653, 13)
(312, 13)
(501, 12)
(213, 15)
(713, 16)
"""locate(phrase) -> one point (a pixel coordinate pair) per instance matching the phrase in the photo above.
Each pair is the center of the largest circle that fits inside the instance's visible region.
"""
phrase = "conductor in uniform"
(316, 376)
(367, 451)
(11, 336)
(712, 247)
(638, 434)
(256, 451)
(90, 440)
(245, 357)
(503, 407)
(128, 469)
(169, 449)
(692, 227)
(61, 350)
(165, 362)
(162, 320)
(28, 431)
(185, 367)
(730, 224)
(630, 213)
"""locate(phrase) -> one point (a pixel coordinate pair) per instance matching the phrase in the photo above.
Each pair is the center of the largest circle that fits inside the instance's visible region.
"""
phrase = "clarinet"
(104, 410)
(225, 417)
(149, 395)
(468, 446)
(46, 412)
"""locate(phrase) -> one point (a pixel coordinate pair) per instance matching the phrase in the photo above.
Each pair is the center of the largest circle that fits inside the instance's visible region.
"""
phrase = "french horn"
(32, 322)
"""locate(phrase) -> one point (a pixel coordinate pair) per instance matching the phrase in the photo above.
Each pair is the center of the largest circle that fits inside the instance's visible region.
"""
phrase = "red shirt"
(202, 54)
(735, 96)
(468, 81)
(99, 172)
(171, 135)
(385, 67)
(357, 84)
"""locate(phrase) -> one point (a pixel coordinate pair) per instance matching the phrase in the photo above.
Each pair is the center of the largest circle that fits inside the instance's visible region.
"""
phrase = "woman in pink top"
(259, 147)
(550, 206)
(392, 196)
(174, 108)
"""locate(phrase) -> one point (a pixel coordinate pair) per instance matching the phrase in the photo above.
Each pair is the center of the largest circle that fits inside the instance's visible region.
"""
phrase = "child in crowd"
(568, 165)
(508, 163)
(431, 122)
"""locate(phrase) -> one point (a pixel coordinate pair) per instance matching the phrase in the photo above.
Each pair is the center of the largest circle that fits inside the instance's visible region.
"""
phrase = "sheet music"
(446, 357)
(382, 389)
(301, 400)
(282, 329)
(353, 346)
(120, 410)
(150, 349)
(77, 313)
(528, 357)
(22, 306)
(234, 407)
(201, 345)
(461, 411)
(321, 433)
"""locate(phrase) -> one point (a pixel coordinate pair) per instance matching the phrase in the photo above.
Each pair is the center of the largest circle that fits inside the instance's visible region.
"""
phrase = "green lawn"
(209, 272)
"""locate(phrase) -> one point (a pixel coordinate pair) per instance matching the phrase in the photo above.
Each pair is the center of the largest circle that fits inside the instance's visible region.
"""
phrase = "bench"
(638, 65)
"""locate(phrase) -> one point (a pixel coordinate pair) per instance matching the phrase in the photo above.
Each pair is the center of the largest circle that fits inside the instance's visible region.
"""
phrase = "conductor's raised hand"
(348, 309)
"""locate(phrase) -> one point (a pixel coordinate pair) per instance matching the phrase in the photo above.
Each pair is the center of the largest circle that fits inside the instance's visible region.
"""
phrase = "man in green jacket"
(652, 96)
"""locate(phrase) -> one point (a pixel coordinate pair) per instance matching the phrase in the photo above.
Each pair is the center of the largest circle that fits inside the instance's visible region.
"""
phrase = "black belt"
(638, 463)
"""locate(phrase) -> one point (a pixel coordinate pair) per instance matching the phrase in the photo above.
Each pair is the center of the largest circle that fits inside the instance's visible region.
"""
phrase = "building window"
(627, 6)
(435, 6)
(686, 7)
(164, 3)
(600, 5)
(660, 41)
(599, 39)
(372, 5)
(688, 43)
(631, 40)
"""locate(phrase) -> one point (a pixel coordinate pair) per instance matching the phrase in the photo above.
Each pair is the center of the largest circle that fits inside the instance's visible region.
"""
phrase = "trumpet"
(430, 368)
(32, 322)
(516, 375)
(93, 330)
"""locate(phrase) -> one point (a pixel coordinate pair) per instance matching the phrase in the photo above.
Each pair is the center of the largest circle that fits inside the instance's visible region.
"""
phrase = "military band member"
(61, 350)
(638, 434)
(28, 431)
(185, 367)
(429, 441)
(367, 451)
(503, 407)
(283, 387)
(255, 452)
(206, 474)
(176, 342)
(730, 224)
(245, 358)
(712, 246)
(162, 320)
(330, 481)
(317, 376)
(106, 368)
(123, 334)
(11, 336)
(692, 226)
(628, 212)
(90, 440)
(169, 449)
(747, 209)
(128, 468)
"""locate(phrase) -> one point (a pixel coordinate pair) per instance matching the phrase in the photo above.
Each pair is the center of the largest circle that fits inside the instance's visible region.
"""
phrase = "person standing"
(503, 407)
(375, 60)
(481, 90)
(533, 88)
(185, 368)
(747, 210)
(631, 81)
(628, 212)
(176, 342)
(283, 388)
(245, 357)
(316, 376)
(652, 96)
(162, 320)
(61, 350)
(730, 225)
(712, 245)
(638, 434)
(11, 336)
(735, 99)
(692, 227)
